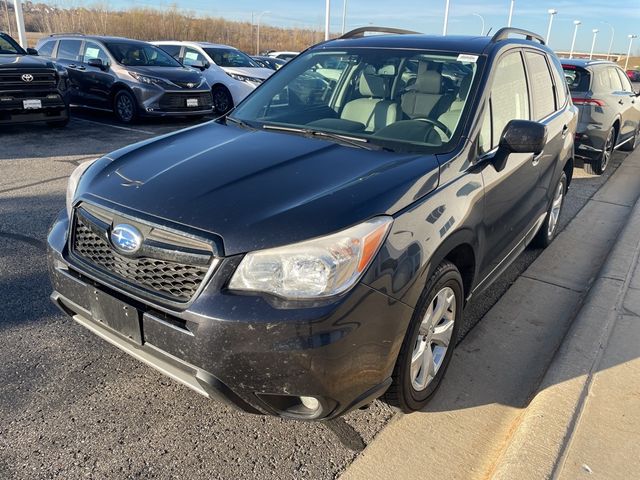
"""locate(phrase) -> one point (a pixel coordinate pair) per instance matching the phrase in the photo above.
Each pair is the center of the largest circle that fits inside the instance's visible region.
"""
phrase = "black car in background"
(609, 111)
(129, 77)
(304, 256)
(32, 89)
(269, 62)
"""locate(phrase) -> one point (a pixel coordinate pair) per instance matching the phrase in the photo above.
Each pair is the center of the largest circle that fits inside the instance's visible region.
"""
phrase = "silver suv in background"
(609, 111)
(232, 74)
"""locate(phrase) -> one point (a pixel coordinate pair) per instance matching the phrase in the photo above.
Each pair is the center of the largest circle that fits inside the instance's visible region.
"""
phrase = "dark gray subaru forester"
(314, 250)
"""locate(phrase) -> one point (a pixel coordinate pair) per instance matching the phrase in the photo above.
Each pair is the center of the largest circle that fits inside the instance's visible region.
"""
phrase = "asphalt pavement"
(72, 406)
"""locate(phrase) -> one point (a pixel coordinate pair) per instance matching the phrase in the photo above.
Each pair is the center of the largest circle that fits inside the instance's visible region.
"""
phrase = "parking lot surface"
(72, 406)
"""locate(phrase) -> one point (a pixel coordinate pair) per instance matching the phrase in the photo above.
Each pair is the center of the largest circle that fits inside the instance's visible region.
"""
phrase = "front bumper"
(158, 102)
(247, 350)
(12, 111)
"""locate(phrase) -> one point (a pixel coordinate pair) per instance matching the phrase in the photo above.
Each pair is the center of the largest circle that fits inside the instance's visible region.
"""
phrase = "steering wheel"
(436, 123)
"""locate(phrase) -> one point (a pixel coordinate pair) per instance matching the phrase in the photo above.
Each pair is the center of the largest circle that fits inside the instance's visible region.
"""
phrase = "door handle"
(72, 66)
(565, 130)
(81, 68)
(536, 159)
(620, 102)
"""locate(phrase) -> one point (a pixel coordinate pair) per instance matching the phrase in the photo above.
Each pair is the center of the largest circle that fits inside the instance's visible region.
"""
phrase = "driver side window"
(509, 100)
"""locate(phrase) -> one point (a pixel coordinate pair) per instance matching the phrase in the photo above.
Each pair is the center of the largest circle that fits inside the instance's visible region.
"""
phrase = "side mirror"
(32, 51)
(200, 65)
(520, 136)
(97, 62)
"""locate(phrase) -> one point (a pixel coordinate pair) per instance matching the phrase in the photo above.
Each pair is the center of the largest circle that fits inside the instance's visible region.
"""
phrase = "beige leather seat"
(425, 99)
(373, 111)
(451, 117)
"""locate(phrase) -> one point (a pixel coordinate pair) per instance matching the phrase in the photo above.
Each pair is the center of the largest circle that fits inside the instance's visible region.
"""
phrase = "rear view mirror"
(520, 136)
(200, 65)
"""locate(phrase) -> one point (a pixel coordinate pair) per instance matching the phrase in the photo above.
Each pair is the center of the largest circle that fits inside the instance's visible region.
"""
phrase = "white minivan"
(232, 74)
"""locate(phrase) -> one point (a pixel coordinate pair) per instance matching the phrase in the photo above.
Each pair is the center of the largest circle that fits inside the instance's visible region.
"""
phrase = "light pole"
(510, 13)
(482, 20)
(593, 42)
(266, 12)
(626, 62)
(575, 33)
(552, 13)
(327, 17)
(344, 16)
(22, 36)
(446, 18)
(613, 32)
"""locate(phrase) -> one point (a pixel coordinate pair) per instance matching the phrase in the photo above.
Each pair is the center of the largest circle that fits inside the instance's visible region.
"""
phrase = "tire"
(411, 389)
(125, 107)
(631, 145)
(598, 165)
(222, 100)
(549, 228)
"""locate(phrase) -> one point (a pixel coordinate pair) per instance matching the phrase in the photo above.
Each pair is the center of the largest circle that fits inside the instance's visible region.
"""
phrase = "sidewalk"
(532, 392)
(585, 422)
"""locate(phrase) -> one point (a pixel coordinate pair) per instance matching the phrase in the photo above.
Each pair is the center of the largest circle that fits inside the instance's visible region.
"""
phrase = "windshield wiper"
(357, 142)
(238, 122)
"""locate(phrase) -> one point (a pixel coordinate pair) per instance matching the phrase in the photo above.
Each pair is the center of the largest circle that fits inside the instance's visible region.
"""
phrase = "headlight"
(245, 78)
(146, 79)
(317, 268)
(72, 186)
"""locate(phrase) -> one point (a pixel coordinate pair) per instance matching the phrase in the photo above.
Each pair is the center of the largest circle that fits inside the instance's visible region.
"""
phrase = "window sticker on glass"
(92, 53)
(191, 56)
(465, 57)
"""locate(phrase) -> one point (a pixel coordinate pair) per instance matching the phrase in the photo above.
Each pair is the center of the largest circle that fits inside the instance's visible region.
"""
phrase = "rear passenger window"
(509, 95)
(47, 48)
(626, 84)
(614, 80)
(69, 50)
(561, 84)
(541, 86)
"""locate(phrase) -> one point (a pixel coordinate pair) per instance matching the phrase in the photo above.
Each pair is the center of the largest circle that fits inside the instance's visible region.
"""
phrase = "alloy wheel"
(608, 150)
(556, 206)
(125, 108)
(221, 101)
(434, 337)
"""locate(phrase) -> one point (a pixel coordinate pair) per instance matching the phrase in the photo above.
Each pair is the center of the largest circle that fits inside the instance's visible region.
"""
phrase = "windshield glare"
(10, 47)
(398, 99)
(139, 55)
(227, 57)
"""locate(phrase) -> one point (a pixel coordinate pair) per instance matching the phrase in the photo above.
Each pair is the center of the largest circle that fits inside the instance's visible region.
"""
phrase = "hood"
(257, 72)
(173, 74)
(25, 61)
(257, 189)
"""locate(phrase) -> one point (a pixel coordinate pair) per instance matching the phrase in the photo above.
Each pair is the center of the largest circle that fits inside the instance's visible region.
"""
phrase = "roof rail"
(360, 32)
(504, 33)
(70, 34)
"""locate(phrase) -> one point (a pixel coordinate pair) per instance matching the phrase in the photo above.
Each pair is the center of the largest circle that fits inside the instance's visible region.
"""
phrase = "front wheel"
(549, 228)
(429, 342)
(125, 107)
(222, 100)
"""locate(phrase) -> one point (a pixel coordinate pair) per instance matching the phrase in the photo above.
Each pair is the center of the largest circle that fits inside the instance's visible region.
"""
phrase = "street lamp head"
(577, 22)
(552, 11)
(633, 36)
(595, 30)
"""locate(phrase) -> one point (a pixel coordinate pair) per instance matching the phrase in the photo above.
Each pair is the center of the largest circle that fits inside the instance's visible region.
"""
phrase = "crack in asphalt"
(39, 244)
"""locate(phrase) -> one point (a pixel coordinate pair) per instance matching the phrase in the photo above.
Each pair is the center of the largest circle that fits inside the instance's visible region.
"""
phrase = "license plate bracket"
(32, 104)
(116, 314)
(192, 102)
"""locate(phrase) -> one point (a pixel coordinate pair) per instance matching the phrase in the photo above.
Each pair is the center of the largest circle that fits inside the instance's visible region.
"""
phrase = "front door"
(97, 82)
(70, 56)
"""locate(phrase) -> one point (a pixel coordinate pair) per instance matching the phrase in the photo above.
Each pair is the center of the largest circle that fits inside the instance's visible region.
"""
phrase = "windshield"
(398, 99)
(229, 57)
(8, 46)
(140, 55)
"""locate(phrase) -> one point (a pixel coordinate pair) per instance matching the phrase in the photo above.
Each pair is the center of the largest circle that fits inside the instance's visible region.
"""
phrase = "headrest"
(372, 86)
(465, 84)
(429, 81)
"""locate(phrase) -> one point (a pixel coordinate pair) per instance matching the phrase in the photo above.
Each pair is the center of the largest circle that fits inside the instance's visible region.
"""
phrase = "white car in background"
(232, 74)
(283, 55)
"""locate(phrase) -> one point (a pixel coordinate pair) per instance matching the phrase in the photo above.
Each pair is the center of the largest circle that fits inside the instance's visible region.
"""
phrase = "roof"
(200, 44)
(454, 43)
(583, 62)
(100, 38)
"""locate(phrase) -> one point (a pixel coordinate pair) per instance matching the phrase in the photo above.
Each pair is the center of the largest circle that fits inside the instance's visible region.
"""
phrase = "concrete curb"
(538, 446)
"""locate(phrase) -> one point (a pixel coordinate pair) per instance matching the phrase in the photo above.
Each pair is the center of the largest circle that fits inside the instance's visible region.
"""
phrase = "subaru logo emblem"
(27, 77)
(126, 239)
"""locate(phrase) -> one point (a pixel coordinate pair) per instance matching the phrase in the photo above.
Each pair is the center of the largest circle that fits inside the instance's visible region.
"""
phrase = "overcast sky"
(427, 16)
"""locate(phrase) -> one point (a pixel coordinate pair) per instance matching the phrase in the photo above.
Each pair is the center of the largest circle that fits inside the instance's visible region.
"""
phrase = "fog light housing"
(301, 407)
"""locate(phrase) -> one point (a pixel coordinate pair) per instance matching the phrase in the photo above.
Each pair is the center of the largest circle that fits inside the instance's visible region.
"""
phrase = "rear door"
(69, 55)
(513, 199)
(548, 99)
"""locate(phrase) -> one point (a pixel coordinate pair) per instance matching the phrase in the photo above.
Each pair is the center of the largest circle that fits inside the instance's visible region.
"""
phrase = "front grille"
(176, 281)
(11, 79)
(178, 101)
